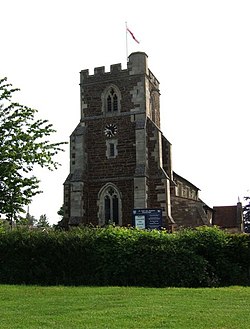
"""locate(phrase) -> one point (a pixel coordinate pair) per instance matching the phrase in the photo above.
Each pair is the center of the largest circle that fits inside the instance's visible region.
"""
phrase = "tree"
(61, 212)
(24, 144)
(43, 221)
(246, 215)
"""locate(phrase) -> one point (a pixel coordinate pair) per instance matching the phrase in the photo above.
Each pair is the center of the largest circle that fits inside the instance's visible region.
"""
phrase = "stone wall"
(188, 213)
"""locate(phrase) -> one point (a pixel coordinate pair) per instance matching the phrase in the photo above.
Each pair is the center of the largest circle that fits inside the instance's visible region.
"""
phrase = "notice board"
(147, 219)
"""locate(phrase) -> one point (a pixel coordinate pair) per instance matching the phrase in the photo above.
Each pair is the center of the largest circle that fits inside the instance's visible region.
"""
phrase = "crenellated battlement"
(98, 71)
(137, 64)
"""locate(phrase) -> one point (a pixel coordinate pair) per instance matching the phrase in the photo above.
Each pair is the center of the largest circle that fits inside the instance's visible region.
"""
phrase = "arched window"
(109, 200)
(111, 100)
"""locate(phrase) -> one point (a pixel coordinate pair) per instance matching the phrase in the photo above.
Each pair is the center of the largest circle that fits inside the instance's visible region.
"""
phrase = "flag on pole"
(132, 35)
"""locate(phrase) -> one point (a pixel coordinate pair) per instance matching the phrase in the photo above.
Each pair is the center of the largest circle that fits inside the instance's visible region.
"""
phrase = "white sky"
(199, 50)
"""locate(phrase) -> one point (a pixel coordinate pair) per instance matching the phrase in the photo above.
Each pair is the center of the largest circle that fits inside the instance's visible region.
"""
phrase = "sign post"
(147, 219)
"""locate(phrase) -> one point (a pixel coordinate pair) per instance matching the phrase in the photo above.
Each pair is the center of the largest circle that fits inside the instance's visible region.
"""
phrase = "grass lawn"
(26, 307)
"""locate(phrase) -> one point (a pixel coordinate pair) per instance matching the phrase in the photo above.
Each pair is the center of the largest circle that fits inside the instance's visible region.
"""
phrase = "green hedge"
(202, 257)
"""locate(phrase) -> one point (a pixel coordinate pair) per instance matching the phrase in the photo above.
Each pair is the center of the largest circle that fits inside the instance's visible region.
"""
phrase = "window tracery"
(109, 205)
(111, 100)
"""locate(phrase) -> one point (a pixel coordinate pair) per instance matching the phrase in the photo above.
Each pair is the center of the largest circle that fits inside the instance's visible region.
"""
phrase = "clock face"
(110, 130)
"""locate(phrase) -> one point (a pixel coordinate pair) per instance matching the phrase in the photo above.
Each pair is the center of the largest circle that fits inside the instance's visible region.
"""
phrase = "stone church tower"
(119, 158)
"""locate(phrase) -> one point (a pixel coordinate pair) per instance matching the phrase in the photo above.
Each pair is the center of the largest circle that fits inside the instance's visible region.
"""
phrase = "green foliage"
(24, 144)
(4, 225)
(246, 214)
(61, 211)
(43, 221)
(203, 257)
(211, 244)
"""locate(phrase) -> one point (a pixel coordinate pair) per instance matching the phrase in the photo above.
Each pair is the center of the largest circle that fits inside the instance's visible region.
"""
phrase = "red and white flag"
(132, 35)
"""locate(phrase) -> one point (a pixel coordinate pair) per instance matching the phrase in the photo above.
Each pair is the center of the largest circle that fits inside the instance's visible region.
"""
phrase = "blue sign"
(147, 218)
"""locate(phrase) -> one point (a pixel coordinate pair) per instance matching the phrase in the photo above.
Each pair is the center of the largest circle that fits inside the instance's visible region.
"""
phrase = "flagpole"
(126, 41)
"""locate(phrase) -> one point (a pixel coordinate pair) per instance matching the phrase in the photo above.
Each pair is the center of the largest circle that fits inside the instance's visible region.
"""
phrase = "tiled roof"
(225, 216)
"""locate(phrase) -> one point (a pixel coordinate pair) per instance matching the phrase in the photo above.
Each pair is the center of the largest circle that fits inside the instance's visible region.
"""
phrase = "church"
(119, 158)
